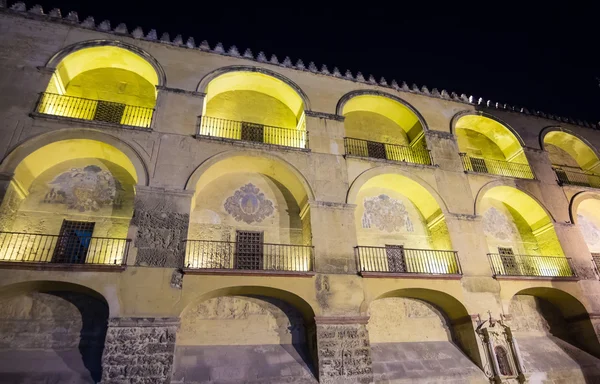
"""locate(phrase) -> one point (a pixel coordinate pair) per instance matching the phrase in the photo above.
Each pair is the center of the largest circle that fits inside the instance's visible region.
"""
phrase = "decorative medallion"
(590, 231)
(85, 189)
(386, 214)
(497, 225)
(248, 204)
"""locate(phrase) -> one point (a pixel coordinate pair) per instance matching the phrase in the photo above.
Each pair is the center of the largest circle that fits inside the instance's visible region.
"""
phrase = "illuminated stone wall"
(372, 126)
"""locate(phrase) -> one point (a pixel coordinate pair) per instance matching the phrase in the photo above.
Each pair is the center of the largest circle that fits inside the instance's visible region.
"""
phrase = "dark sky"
(542, 57)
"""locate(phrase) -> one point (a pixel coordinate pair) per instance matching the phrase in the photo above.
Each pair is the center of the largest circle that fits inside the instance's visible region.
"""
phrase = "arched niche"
(396, 323)
(245, 192)
(585, 211)
(245, 333)
(103, 81)
(238, 96)
(567, 150)
(552, 325)
(512, 219)
(60, 324)
(483, 136)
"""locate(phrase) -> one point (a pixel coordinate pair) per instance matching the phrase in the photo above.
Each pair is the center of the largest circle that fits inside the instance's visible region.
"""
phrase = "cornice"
(323, 115)
(72, 19)
(180, 91)
(440, 134)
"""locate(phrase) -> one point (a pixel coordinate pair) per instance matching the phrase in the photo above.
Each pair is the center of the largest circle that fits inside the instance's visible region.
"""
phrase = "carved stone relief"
(249, 204)
(497, 225)
(386, 214)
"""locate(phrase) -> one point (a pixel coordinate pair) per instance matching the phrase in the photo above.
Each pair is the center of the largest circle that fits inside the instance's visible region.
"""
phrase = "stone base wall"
(139, 350)
(344, 353)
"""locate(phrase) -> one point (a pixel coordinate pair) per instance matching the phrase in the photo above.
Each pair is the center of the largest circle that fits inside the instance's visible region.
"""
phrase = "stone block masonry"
(139, 350)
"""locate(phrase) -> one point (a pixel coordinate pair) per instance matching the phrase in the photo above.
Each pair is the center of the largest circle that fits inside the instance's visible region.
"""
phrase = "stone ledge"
(243, 143)
(241, 272)
(93, 123)
(501, 176)
(538, 278)
(143, 322)
(392, 275)
(324, 115)
(391, 162)
(341, 320)
(62, 267)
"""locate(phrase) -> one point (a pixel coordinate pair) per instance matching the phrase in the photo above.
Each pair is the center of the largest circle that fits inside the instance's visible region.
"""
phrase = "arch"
(569, 305)
(577, 199)
(429, 197)
(534, 201)
(462, 114)
(58, 57)
(19, 153)
(306, 309)
(288, 174)
(208, 78)
(579, 148)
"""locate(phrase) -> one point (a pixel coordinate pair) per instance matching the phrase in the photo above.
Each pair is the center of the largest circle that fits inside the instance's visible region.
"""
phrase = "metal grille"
(503, 363)
(496, 167)
(525, 265)
(75, 238)
(417, 154)
(109, 112)
(249, 250)
(253, 132)
(507, 256)
(577, 177)
(596, 260)
(395, 258)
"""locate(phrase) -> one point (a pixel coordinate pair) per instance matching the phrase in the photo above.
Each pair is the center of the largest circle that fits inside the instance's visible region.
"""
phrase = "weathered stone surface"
(344, 353)
(139, 350)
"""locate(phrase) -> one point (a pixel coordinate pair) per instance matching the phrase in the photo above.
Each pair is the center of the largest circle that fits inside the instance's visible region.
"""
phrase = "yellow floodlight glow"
(489, 138)
(585, 156)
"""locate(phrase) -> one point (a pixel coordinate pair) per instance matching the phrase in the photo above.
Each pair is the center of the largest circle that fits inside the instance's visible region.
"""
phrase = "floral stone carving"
(249, 204)
(386, 214)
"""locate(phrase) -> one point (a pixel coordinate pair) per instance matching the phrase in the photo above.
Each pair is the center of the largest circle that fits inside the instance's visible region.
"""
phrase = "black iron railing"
(576, 177)
(69, 249)
(97, 110)
(373, 149)
(596, 261)
(257, 133)
(496, 167)
(205, 254)
(397, 259)
(525, 265)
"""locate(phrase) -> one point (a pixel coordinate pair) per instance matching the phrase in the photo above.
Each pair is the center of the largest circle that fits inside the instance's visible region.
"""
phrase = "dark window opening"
(73, 242)
(249, 250)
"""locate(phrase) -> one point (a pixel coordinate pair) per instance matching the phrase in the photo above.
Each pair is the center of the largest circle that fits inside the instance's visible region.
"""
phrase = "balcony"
(393, 152)
(215, 256)
(496, 167)
(531, 266)
(395, 259)
(252, 132)
(27, 249)
(577, 177)
(94, 110)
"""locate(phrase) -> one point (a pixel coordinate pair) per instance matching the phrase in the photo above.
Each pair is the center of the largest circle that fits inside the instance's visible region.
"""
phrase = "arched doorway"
(574, 161)
(520, 235)
(488, 146)
(383, 126)
(51, 331)
(107, 83)
(70, 201)
(249, 337)
(255, 106)
(422, 336)
(555, 335)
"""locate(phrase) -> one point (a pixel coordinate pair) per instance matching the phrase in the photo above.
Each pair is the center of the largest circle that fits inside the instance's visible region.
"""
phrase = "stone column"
(344, 350)
(334, 252)
(444, 150)
(161, 218)
(540, 164)
(139, 350)
(178, 105)
(325, 132)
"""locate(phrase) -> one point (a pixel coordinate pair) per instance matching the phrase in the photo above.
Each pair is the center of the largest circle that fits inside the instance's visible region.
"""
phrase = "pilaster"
(326, 132)
(178, 105)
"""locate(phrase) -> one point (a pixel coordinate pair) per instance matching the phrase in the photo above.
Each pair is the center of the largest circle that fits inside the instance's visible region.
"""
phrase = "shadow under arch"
(58, 57)
(367, 175)
(18, 153)
(286, 167)
(367, 92)
(461, 114)
(90, 305)
(204, 82)
(460, 322)
(574, 313)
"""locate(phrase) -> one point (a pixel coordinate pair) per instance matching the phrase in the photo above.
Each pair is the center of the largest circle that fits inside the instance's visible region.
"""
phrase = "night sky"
(544, 57)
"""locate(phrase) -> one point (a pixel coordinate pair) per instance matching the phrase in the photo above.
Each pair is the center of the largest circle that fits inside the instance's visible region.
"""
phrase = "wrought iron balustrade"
(68, 249)
(252, 132)
(496, 167)
(394, 152)
(525, 265)
(596, 261)
(97, 110)
(397, 259)
(576, 177)
(206, 254)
